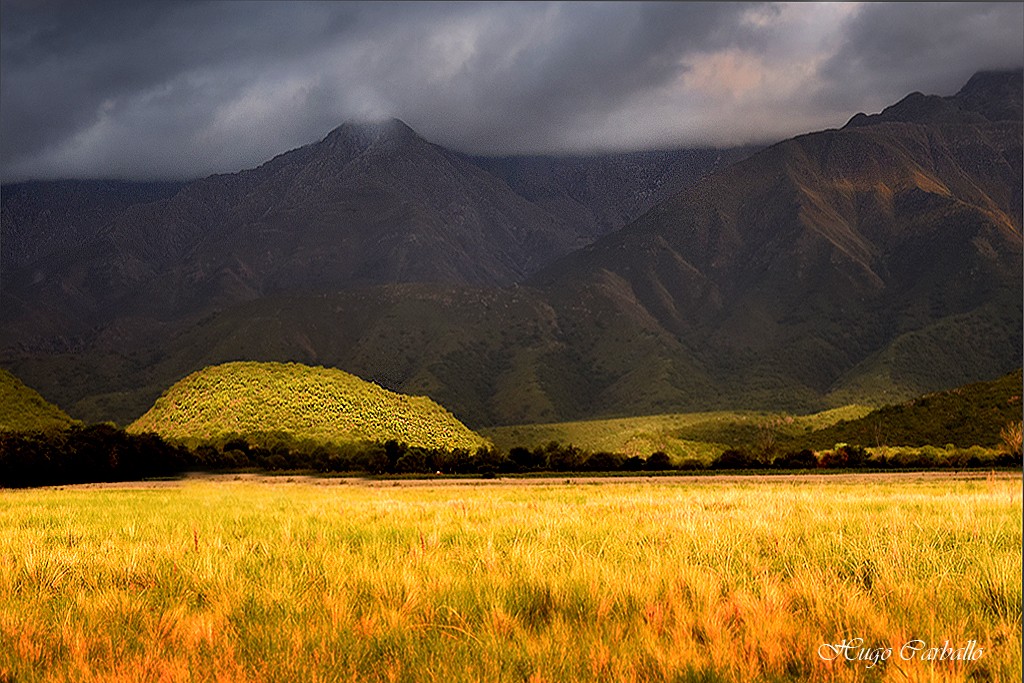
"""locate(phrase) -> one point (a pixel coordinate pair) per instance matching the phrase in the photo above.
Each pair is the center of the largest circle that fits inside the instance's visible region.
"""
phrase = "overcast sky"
(184, 89)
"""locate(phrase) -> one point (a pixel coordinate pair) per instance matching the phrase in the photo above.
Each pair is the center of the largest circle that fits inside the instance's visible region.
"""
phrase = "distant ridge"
(315, 403)
(988, 97)
(973, 414)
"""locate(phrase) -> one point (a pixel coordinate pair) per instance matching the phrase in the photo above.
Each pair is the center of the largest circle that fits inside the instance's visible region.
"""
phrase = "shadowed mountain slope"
(595, 195)
(369, 204)
(803, 269)
(51, 219)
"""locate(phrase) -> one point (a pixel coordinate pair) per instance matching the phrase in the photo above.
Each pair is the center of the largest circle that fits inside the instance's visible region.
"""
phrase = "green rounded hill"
(306, 403)
(23, 410)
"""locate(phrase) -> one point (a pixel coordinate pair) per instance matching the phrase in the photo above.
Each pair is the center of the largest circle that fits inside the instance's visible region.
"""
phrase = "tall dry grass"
(658, 581)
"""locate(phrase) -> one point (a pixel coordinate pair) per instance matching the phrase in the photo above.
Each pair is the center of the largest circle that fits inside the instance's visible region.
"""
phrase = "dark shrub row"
(86, 454)
(392, 457)
(105, 453)
(842, 457)
(845, 456)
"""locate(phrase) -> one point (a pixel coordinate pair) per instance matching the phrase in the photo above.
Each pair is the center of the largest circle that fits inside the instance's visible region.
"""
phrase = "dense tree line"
(86, 454)
(392, 457)
(105, 453)
(845, 456)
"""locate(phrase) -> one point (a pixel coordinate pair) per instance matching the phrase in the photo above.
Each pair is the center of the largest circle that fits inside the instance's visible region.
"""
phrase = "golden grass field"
(668, 579)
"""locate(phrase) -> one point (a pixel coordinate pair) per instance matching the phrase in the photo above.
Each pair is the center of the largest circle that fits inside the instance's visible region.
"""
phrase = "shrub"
(734, 459)
(492, 460)
(564, 458)
(1011, 436)
(844, 455)
(799, 460)
(525, 460)
(659, 460)
(603, 462)
(634, 463)
(413, 460)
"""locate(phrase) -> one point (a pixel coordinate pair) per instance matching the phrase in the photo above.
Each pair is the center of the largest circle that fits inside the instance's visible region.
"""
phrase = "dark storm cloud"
(890, 50)
(159, 89)
(524, 77)
(81, 79)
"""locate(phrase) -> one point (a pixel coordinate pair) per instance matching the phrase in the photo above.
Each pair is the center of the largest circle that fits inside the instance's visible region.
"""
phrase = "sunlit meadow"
(661, 580)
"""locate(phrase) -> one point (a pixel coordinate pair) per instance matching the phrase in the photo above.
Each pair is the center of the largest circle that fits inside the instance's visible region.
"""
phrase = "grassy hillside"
(971, 415)
(682, 435)
(22, 409)
(315, 403)
(952, 352)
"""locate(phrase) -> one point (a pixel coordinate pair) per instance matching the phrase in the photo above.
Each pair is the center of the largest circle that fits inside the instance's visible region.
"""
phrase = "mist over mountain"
(876, 261)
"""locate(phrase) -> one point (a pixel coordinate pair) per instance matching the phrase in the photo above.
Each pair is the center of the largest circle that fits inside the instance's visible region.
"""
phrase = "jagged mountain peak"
(996, 95)
(999, 83)
(987, 96)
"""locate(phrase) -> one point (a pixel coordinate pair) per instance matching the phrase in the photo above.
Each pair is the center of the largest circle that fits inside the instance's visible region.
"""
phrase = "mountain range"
(873, 262)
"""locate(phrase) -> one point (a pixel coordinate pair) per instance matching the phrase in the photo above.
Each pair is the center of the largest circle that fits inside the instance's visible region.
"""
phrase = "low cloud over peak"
(175, 90)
